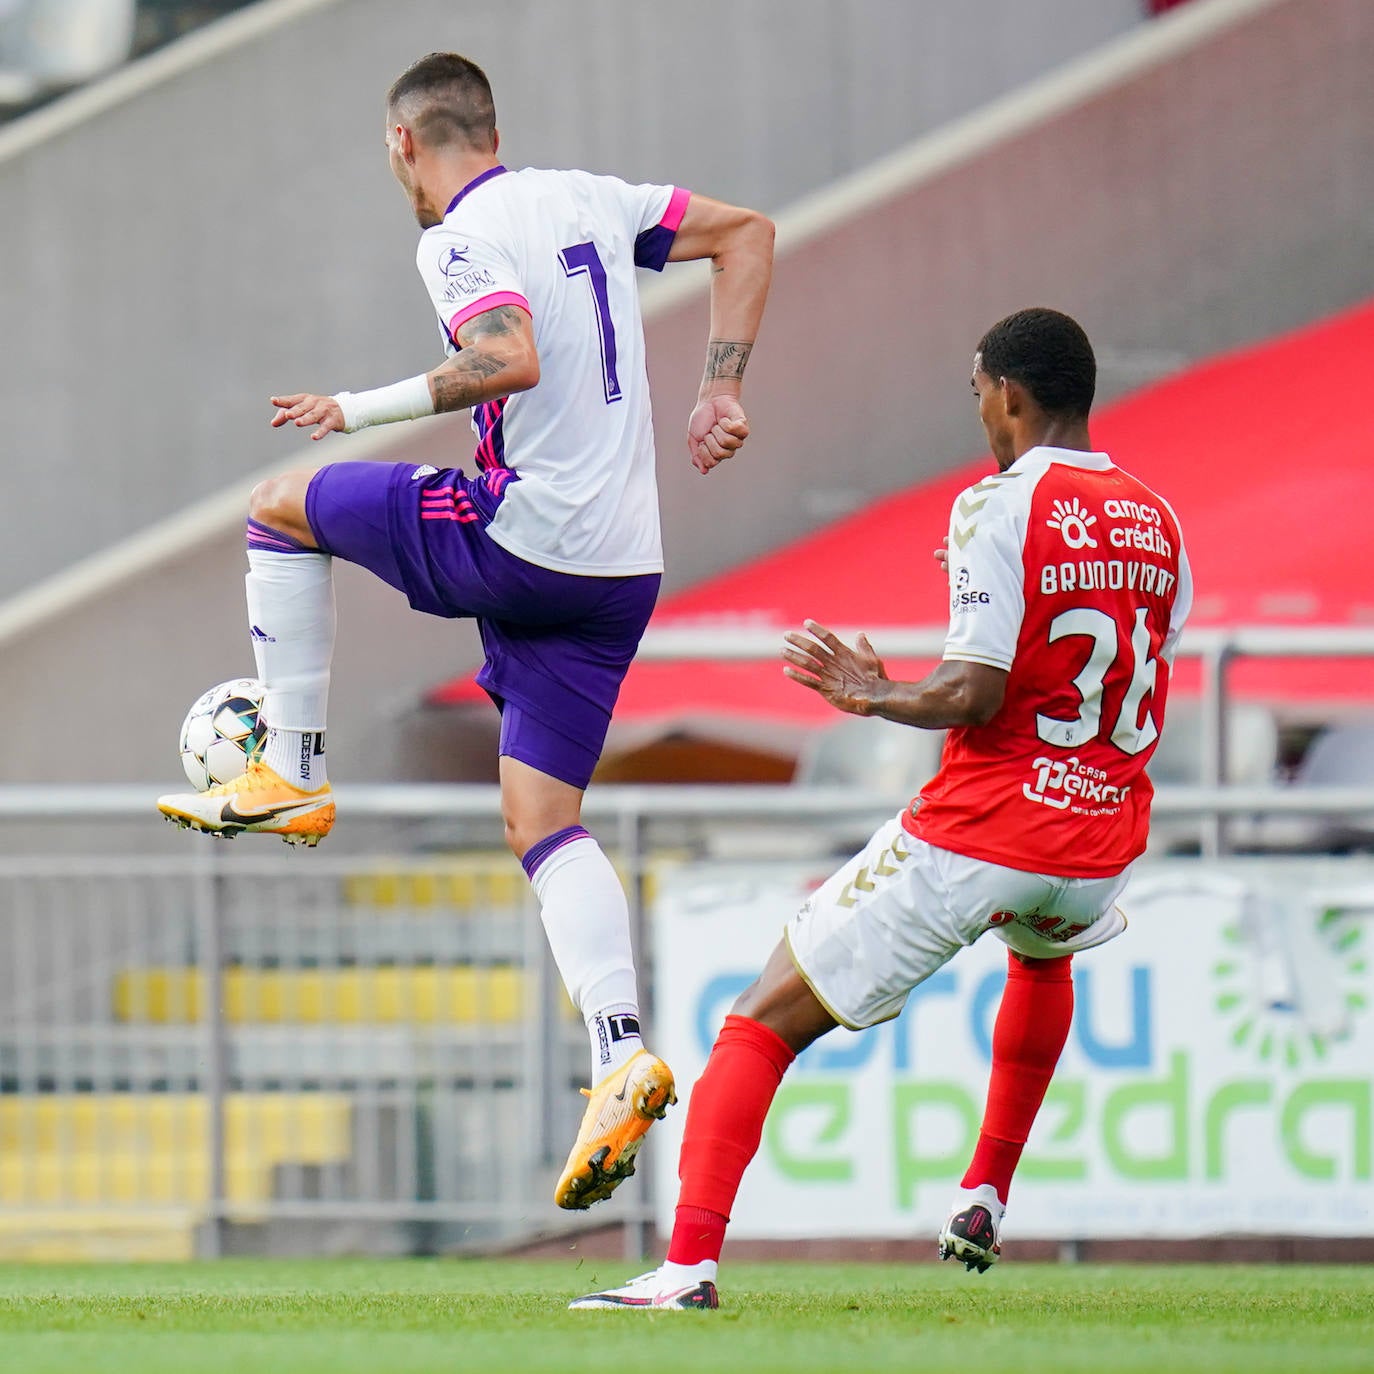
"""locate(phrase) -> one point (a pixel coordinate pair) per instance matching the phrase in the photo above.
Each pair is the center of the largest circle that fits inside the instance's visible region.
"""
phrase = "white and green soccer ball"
(222, 732)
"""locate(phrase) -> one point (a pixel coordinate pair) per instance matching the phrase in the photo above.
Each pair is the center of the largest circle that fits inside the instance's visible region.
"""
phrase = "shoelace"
(252, 779)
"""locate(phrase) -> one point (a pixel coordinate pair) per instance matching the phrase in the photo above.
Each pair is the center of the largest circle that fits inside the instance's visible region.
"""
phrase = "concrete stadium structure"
(1194, 184)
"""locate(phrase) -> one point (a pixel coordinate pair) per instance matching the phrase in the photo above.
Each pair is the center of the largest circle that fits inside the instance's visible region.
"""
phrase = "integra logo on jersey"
(475, 279)
(454, 260)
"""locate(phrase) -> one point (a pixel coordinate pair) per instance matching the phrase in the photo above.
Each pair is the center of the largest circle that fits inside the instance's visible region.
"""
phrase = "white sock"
(984, 1195)
(685, 1275)
(297, 757)
(615, 1034)
(587, 920)
(291, 620)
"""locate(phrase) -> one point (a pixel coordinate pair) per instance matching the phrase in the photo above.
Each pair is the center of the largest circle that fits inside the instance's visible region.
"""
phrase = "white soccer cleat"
(673, 1286)
(973, 1233)
(257, 800)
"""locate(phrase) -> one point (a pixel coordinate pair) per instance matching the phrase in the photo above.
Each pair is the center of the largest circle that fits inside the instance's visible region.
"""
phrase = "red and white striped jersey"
(1071, 575)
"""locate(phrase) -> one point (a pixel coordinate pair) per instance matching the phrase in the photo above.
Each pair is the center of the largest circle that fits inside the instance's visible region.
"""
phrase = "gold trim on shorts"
(815, 991)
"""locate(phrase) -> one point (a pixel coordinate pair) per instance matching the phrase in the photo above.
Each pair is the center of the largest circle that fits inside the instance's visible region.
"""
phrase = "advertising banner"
(1217, 1078)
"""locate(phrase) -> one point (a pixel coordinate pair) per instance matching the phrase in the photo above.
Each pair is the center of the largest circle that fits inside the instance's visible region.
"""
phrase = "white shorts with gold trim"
(901, 909)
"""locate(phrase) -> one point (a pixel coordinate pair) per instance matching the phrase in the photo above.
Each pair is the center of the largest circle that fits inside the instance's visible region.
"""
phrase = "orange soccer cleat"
(257, 800)
(620, 1109)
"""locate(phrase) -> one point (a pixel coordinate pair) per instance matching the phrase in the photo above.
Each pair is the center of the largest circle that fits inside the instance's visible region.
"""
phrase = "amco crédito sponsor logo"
(1138, 1116)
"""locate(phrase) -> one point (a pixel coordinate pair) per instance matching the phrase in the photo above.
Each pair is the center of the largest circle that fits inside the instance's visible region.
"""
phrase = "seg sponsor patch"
(963, 597)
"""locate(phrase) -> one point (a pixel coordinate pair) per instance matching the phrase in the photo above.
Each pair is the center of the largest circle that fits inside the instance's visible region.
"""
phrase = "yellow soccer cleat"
(257, 800)
(620, 1109)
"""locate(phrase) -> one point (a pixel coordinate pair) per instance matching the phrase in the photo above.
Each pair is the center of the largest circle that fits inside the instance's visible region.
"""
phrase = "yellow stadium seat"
(461, 995)
(123, 1149)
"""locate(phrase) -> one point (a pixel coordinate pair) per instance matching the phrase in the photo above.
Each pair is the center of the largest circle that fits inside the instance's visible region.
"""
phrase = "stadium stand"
(1269, 492)
(912, 242)
(49, 47)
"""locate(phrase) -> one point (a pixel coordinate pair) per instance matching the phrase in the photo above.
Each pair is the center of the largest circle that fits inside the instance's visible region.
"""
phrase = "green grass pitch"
(407, 1316)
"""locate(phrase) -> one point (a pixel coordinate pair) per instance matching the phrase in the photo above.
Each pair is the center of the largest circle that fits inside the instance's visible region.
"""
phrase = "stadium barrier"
(1215, 650)
(237, 1050)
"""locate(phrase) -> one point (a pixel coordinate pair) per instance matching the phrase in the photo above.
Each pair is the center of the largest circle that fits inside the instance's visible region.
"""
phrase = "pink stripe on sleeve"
(480, 307)
(677, 207)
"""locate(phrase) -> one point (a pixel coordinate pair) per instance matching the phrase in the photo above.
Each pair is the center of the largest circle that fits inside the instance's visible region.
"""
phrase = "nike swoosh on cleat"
(230, 816)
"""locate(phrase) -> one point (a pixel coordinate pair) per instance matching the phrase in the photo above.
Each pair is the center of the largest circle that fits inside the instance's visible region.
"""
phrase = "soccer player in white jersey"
(552, 544)
(1068, 589)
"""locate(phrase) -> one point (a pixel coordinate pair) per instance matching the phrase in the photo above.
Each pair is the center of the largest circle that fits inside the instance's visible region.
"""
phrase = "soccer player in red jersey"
(1069, 587)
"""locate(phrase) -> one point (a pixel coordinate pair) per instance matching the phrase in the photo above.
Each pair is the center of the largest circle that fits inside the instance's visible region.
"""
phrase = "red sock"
(1027, 1039)
(724, 1127)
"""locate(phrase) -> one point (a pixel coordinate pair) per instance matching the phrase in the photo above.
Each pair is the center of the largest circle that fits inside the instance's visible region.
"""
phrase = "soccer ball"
(222, 732)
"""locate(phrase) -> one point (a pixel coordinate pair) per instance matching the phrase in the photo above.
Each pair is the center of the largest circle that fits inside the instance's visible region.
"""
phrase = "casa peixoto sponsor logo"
(1065, 783)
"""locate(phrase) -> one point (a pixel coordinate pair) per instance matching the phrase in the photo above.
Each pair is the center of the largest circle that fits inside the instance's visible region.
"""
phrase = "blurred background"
(206, 1049)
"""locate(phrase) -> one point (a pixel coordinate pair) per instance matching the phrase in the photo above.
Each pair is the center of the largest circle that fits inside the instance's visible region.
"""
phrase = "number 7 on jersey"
(582, 259)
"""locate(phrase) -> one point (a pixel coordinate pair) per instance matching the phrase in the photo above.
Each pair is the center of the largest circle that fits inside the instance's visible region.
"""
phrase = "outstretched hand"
(304, 409)
(716, 431)
(845, 677)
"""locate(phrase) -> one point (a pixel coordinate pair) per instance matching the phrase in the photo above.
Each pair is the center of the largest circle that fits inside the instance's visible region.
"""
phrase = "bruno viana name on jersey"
(1106, 574)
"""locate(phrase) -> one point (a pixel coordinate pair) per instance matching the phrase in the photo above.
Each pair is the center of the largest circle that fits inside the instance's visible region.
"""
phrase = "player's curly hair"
(1049, 354)
(445, 99)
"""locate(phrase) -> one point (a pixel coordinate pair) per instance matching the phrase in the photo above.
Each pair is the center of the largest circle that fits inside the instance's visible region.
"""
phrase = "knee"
(750, 1002)
(523, 828)
(518, 836)
(279, 501)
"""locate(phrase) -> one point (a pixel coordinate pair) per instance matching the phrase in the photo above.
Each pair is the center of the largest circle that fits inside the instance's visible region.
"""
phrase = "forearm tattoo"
(462, 381)
(726, 359)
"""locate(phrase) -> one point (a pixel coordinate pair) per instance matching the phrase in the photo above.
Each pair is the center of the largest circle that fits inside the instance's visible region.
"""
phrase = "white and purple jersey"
(563, 245)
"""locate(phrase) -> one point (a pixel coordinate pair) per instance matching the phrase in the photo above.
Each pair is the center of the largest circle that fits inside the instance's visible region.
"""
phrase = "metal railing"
(1216, 649)
(250, 1051)
(239, 1046)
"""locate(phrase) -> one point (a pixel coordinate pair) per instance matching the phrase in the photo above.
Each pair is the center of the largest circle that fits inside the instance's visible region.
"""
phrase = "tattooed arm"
(498, 358)
(739, 244)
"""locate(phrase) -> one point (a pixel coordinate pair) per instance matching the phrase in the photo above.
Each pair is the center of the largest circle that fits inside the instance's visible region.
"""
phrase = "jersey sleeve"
(987, 598)
(655, 214)
(466, 276)
(1182, 607)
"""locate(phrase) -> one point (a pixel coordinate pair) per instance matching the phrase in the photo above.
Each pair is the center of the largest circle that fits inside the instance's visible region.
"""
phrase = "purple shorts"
(557, 645)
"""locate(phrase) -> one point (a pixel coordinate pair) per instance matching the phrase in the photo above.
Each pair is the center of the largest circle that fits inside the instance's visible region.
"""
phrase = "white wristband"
(407, 400)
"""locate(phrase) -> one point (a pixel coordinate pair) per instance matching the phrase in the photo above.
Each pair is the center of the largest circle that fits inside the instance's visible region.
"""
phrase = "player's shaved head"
(1049, 354)
(444, 99)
